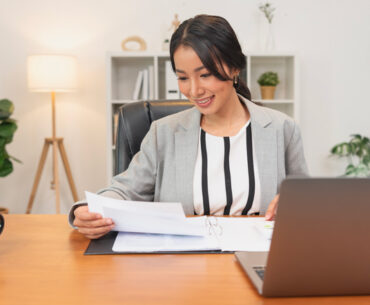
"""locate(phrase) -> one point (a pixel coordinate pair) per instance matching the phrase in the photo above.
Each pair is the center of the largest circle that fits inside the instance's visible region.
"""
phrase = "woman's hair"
(215, 42)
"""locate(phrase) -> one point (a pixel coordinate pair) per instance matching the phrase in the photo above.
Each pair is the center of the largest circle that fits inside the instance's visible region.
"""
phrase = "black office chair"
(134, 120)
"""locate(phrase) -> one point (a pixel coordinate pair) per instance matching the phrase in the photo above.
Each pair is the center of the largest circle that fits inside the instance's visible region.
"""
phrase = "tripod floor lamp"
(52, 73)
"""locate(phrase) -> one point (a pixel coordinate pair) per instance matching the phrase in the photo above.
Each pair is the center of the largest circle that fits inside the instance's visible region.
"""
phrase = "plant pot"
(4, 210)
(268, 92)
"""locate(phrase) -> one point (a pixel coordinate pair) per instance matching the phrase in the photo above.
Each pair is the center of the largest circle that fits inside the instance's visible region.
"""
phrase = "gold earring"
(236, 80)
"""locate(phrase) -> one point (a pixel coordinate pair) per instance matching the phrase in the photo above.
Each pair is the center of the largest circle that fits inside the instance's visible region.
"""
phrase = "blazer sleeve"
(138, 181)
(295, 162)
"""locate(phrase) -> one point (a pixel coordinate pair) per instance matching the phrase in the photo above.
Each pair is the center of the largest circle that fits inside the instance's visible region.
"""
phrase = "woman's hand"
(92, 225)
(271, 210)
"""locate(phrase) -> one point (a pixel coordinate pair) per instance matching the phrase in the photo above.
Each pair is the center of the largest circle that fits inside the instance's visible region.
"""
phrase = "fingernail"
(109, 221)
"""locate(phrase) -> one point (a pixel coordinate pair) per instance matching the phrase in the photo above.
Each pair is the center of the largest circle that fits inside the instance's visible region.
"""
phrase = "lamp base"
(57, 144)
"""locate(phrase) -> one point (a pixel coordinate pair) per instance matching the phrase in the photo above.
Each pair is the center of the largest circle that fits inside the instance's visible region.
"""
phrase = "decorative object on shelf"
(357, 151)
(133, 43)
(268, 10)
(52, 73)
(268, 82)
(174, 25)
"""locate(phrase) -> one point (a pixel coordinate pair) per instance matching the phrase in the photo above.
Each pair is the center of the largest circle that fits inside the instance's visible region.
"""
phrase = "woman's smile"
(204, 102)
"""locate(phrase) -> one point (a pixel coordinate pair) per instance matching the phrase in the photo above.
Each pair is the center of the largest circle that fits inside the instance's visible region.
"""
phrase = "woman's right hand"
(92, 225)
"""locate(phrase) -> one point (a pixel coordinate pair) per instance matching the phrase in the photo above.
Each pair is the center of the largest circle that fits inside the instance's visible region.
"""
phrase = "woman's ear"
(235, 72)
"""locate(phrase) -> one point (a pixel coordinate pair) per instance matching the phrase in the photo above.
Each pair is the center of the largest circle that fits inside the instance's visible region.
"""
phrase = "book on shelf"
(172, 90)
(138, 85)
(144, 86)
(145, 90)
(115, 127)
(151, 82)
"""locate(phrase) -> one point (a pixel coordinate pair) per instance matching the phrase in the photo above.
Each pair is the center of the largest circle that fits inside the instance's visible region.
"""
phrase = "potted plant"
(357, 151)
(268, 82)
(7, 128)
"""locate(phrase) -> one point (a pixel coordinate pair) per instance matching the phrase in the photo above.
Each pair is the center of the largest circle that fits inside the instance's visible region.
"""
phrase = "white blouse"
(226, 180)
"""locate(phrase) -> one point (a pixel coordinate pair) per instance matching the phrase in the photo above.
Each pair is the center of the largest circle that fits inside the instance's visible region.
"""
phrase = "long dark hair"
(215, 42)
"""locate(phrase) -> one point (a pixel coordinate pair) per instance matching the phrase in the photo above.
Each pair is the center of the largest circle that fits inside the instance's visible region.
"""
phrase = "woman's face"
(209, 94)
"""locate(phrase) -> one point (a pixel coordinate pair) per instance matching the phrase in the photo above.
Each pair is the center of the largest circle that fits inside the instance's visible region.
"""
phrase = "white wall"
(332, 38)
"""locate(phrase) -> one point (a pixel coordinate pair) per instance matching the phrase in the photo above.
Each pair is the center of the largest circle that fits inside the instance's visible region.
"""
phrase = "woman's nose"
(196, 89)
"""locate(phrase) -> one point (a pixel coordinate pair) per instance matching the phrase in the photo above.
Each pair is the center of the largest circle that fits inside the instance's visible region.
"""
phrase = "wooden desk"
(42, 262)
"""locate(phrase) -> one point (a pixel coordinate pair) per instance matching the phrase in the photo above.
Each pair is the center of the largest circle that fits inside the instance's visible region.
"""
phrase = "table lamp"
(52, 73)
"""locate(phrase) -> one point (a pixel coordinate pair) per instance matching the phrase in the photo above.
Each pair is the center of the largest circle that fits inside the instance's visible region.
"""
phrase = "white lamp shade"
(52, 73)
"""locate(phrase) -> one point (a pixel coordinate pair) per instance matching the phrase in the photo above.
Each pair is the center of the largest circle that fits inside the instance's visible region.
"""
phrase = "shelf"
(283, 65)
(277, 101)
(138, 54)
(124, 101)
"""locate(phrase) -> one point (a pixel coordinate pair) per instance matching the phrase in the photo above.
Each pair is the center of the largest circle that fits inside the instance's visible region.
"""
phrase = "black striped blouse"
(226, 176)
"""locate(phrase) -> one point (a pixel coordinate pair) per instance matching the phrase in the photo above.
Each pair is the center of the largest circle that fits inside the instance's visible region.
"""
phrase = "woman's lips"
(205, 102)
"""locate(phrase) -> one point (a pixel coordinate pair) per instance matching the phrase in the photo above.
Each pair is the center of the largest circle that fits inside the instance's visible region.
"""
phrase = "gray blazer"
(163, 169)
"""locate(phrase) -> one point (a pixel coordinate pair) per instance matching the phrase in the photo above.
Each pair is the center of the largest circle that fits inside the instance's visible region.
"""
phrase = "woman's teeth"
(204, 101)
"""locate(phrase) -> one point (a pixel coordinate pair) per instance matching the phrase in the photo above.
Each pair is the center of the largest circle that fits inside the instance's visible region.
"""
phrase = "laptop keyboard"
(260, 270)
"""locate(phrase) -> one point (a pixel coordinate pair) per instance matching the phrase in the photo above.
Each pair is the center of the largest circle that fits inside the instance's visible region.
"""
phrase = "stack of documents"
(147, 227)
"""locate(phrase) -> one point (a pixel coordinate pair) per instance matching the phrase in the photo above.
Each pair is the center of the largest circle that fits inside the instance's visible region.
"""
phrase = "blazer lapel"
(186, 147)
(265, 149)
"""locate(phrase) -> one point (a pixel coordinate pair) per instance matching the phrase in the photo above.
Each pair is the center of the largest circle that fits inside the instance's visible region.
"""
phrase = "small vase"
(268, 92)
(270, 40)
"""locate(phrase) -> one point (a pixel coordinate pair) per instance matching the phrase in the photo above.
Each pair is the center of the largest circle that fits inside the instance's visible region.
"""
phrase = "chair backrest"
(134, 120)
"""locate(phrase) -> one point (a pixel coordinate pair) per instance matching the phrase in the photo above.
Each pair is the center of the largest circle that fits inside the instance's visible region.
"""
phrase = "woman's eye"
(182, 78)
(205, 75)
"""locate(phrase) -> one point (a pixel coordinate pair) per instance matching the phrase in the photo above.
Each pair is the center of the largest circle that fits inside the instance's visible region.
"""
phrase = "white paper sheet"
(96, 203)
(243, 234)
(134, 221)
(147, 243)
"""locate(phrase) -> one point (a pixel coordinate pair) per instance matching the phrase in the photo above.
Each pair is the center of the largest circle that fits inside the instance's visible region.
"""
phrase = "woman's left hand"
(271, 210)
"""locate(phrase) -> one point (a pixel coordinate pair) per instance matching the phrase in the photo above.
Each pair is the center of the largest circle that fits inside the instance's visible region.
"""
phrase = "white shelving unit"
(123, 68)
(286, 94)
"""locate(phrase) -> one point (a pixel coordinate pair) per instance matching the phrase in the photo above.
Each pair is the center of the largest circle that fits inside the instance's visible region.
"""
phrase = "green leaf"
(15, 159)
(268, 79)
(6, 109)
(366, 160)
(2, 157)
(7, 130)
(6, 168)
(350, 170)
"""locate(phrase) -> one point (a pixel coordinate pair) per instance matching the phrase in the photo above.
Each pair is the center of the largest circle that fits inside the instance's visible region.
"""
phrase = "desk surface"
(42, 262)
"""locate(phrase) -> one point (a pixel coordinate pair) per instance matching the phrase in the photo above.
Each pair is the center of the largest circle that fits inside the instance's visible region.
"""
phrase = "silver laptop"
(321, 240)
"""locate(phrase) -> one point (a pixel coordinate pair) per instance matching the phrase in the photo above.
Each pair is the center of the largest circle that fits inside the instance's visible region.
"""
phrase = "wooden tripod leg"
(56, 176)
(67, 169)
(38, 176)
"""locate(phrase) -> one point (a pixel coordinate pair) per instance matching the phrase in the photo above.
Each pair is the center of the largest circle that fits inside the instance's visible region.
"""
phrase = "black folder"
(104, 245)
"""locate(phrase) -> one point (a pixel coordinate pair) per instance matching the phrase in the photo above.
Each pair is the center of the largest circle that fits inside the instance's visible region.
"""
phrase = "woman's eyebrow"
(195, 70)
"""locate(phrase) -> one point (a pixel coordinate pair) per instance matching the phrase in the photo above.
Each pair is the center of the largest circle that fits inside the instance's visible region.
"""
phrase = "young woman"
(225, 156)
